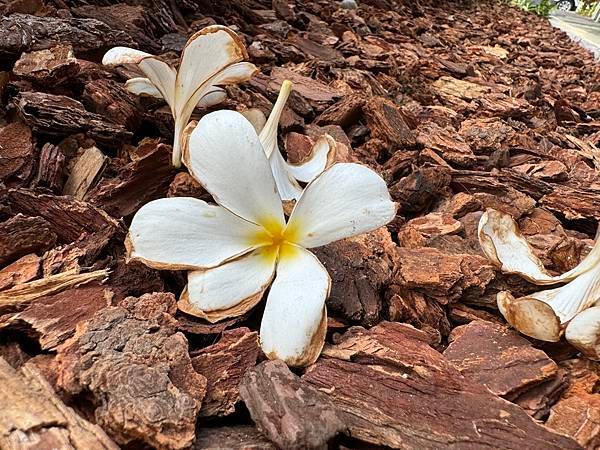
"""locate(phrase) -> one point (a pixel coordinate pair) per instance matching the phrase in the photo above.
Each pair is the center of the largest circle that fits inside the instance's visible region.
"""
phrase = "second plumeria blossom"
(236, 249)
(212, 57)
(546, 314)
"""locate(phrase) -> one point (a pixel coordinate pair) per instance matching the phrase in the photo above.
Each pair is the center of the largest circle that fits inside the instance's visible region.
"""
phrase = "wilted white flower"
(287, 174)
(236, 249)
(211, 58)
(545, 314)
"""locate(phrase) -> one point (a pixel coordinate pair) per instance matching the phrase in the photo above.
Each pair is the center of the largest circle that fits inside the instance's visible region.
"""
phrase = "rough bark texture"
(289, 411)
(397, 391)
(136, 367)
(223, 365)
(34, 417)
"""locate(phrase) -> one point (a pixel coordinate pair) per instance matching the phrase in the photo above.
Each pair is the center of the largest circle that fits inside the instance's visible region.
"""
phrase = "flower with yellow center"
(236, 249)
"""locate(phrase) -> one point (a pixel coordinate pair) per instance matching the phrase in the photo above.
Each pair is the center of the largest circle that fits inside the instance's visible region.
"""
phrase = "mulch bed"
(460, 106)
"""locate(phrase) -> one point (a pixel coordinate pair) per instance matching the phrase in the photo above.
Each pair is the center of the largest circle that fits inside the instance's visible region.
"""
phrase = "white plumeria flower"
(236, 249)
(287, 174)
(212, 57)
(545, 314)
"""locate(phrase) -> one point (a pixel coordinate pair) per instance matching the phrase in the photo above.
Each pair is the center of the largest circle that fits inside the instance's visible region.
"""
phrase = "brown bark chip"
(135, 366)
(499, 358)
(397, 391)
(290, 412)
(34, 417)
(224, 364)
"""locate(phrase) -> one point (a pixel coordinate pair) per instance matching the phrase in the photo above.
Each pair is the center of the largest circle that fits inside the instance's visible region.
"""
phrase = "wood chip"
(86, 170)
(290, 412)
(398, 392)
(34, 417)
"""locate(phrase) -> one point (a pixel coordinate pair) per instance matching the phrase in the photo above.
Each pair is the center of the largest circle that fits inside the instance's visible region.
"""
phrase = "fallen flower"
(287, 174)
(236, 249)
(212, 57)
(542, 315)
(583, 332)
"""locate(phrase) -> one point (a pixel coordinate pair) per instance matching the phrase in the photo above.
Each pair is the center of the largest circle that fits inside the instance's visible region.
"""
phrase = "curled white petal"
(321, 156)
(543, 315)
(187, 233)
(230, 289)
(123, 55)
(288, 187)
(583, 332)
(142, 86)
(268, 135)
(213, 97)
(504, 245)
(345, 200)
(295, 319)
(225, 155)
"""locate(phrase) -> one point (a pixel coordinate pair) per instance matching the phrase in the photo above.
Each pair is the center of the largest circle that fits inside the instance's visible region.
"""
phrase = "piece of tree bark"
(136, 184)
(51, 168)
(388, 124)
(135, 20)
(224, 364)
(135, 365)
(34, 417)
(231, 437)
(442, 276)
(420, 189)
(47, 67)
(68, 218)
(21, 235)
(398, 392)
(345, 112)
(84, 173)
(448, 144)
(359, 268)
(40, 33)
(290, 412)
(52, 319)
(506, 363)
(110, 99)
(577, 413)
(22, 270)
(17, 151)
(58, 115)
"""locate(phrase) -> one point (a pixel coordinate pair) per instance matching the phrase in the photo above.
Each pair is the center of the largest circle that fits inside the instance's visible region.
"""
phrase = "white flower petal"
(321, 155)
(288, 187)
(345, 200)
(142, 86)
(256, 117)
(187, 233)
(230, 289)
(225, 155)
(504, 245)
(268, 135)
(543, 315)
(213, 97)
(207, 94)
(206, 53)
(295, 319)
(162, 76)
(583, 332)
(123, 55)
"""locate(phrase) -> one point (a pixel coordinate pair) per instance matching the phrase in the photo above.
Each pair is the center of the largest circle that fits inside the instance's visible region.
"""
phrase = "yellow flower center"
(275, 240)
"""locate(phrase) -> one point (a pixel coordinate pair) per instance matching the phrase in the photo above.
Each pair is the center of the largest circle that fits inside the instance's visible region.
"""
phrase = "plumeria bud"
(212, 57)
(235, 250)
